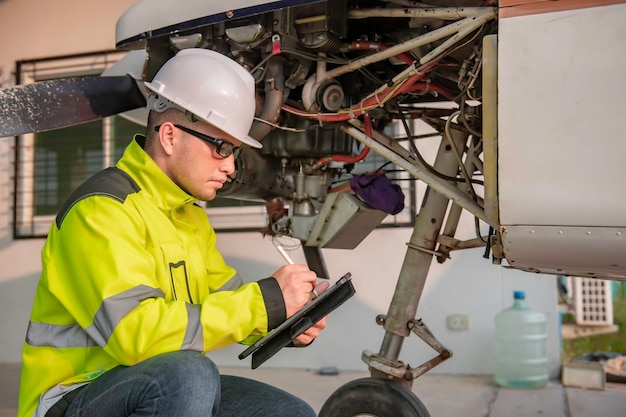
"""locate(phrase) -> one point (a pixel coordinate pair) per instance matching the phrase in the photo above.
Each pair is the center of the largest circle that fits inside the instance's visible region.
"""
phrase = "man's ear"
(166, 138)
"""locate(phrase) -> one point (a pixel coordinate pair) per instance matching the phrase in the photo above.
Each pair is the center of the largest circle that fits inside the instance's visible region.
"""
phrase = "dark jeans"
(185, 384)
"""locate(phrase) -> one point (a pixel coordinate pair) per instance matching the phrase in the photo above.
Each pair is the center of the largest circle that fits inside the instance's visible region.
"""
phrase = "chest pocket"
(177, 271)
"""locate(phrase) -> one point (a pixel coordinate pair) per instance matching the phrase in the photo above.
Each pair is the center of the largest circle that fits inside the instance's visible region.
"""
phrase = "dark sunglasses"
(223, 148)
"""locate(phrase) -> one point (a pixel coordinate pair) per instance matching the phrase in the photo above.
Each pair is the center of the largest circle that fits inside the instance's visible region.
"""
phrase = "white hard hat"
(211, 86)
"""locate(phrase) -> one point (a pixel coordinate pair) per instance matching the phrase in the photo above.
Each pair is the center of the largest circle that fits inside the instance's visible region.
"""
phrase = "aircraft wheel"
(373, 397)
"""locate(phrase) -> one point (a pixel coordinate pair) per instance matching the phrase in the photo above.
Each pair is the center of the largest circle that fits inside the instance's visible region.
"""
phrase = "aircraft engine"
(321, 64)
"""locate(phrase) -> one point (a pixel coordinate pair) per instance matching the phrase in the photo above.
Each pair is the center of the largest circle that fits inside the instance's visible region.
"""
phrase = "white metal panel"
(150, 15)
(576, 251)
(561, 92)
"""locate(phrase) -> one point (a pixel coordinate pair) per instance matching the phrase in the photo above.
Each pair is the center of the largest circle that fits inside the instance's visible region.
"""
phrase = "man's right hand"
(296, 283)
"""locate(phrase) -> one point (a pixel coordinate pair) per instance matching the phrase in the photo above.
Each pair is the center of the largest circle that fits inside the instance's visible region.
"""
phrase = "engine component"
(330, 95)
(343, 222)
(321, 26)
(308, 140)
(257, 178)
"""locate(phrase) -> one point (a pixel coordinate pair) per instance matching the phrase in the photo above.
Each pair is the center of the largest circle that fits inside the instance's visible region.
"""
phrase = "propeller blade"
(54, 104)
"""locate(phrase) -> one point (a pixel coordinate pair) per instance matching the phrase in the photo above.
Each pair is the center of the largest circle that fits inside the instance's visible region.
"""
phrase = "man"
(133, 290)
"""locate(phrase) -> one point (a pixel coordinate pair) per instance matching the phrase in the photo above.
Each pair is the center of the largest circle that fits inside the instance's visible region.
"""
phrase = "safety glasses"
(223, 148)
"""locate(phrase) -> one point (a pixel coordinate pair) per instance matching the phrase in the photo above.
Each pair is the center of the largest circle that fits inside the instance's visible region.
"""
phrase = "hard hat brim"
(248, 140)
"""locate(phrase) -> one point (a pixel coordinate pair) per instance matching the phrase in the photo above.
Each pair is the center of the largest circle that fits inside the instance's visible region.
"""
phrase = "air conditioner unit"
(593, 301)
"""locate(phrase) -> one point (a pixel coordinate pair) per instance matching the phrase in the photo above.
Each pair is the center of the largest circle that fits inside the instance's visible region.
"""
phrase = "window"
(50, 165)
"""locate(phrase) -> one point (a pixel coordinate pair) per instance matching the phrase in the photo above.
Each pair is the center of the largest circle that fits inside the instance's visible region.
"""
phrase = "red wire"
(347, 158)
(357, 110)
(360, 109)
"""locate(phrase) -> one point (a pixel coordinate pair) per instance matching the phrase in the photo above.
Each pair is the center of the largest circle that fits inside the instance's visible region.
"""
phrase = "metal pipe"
(421, 247)
(454, 214)
(391, 346)
(400, 156)
(274, 93)
(466, 25)
(310, 87)
(457, 31)
(463, 31)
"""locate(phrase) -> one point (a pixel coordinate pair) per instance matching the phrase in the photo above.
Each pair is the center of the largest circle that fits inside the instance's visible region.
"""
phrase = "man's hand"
(312, 332)
(296, 283)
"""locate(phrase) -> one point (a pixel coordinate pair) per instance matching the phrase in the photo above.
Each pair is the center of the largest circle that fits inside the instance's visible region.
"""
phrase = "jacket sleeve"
(224, 278)
(103, 272)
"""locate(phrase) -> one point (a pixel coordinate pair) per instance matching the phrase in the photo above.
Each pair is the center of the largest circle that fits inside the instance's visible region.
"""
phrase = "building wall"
(468, 284)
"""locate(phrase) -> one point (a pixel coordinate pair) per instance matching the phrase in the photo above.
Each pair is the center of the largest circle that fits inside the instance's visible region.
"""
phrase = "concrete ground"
(443, 395)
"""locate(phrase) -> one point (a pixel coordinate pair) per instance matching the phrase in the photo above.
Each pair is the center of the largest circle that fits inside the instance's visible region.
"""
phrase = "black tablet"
(294, 326)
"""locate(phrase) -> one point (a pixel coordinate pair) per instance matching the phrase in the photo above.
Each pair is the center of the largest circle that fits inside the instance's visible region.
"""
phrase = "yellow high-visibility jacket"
(130, 271)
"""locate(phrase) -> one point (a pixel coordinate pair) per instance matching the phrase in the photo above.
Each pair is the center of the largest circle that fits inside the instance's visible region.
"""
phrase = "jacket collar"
(149, 176)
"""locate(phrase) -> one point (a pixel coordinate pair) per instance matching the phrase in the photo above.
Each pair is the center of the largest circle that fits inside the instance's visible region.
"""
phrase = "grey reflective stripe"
(56, 336)
(53, 395)
(111, 312)
(232, 284)
(194, 336)
(111, 182)
(115, 308)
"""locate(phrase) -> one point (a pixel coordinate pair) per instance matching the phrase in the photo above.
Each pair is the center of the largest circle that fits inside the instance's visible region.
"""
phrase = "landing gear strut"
(387, 393)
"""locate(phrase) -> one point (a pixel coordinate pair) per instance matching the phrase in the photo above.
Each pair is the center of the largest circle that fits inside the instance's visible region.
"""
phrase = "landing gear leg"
(391, 379)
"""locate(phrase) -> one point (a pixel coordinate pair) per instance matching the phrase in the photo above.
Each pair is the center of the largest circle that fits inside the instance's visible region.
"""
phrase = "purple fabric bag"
(379, 192)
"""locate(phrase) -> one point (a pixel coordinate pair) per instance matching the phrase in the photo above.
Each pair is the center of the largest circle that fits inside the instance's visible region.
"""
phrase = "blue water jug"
(521, 353)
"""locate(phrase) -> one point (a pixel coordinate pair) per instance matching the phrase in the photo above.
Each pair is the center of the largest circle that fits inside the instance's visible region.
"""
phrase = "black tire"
(373, 397)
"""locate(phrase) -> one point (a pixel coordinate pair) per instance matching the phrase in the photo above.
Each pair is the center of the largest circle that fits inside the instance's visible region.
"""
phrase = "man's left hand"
(312, 332)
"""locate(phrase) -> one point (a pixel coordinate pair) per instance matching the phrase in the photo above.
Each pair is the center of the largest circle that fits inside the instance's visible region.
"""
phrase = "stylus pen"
(290, 261)
(284, 254)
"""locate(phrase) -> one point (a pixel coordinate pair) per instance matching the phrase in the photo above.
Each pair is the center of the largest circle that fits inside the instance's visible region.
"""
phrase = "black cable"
(488, 247)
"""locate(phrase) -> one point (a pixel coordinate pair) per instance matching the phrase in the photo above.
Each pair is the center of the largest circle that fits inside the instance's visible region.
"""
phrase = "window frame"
(26, 224)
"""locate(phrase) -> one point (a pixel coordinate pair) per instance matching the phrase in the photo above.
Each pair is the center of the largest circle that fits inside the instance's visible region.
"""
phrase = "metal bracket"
(496, 249)
(398, 371)
(424, 333)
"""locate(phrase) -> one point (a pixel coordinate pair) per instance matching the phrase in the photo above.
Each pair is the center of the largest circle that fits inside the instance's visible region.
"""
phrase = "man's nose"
(228, 164)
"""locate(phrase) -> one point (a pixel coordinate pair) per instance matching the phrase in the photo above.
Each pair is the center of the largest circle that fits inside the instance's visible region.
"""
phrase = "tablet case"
(297, 324)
